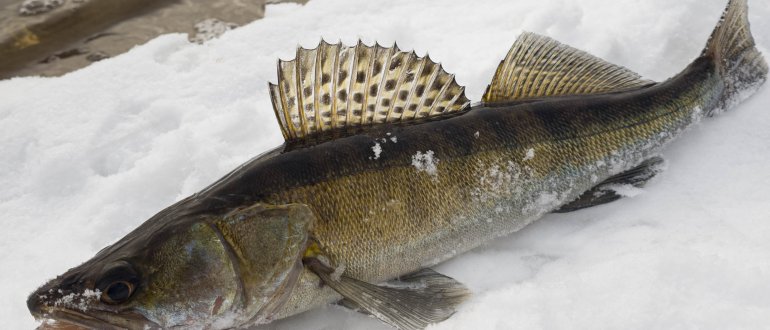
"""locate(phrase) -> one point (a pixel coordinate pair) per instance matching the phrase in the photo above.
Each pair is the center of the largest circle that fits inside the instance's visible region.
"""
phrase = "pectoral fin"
(414, 302)
(606, 192)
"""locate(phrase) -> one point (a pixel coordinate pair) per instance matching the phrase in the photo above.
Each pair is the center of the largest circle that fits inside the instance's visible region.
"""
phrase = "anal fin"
(413, 302)
(606, 191)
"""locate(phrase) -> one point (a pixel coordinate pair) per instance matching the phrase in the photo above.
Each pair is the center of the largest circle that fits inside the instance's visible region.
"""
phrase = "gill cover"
(265, 243)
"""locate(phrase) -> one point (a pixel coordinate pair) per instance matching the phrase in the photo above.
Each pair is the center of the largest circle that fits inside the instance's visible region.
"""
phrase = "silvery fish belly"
(387, 170)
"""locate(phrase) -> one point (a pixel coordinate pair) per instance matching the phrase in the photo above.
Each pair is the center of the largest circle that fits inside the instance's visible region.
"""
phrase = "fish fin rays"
(413, 302)
(537, 66)
(740, 64)
(334, 88)
(607, 191)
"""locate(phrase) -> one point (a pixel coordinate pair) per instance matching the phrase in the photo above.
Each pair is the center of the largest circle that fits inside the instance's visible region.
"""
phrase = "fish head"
(206, 271)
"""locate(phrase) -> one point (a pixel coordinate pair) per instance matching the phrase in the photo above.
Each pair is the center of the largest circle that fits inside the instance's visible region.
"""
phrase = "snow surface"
(89, 156)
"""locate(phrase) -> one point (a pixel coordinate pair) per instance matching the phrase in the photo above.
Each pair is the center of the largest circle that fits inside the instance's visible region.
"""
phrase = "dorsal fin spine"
(286, 108)
(383, 57)
(418, 98)
(334, 77)
(387, 56)
(389, 110)
(300, 96)
(368, 113)
(426, 90)
(368, 82)
(410, 98)
(386, 76)
(356, 119)
(351, 83)
(457, 97)
(435, 71)
(275, 98)
(317, 88)
(440, 95)
(392, 116)
(429, 87)
(352, 56)
(282, 86)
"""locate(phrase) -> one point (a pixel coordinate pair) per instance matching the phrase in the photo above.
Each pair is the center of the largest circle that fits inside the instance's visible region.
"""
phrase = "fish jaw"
(70, 319)
(82, 310)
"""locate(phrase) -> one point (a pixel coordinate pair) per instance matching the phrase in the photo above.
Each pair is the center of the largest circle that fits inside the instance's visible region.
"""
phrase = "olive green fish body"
(497, 169)
(388, 170)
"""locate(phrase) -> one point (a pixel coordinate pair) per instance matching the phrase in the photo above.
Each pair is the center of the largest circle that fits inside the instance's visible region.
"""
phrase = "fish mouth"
(98, 319)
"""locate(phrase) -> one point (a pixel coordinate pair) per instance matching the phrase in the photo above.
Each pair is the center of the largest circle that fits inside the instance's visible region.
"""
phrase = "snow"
(425, 162)
(530, 154)
(377, 150)
(80, 301)
(89, 156)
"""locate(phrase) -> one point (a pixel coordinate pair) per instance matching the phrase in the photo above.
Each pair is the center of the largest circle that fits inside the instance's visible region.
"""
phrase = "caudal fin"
(741, 66)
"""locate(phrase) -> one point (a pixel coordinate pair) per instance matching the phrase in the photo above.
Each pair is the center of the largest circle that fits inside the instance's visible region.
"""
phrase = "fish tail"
(740, 65)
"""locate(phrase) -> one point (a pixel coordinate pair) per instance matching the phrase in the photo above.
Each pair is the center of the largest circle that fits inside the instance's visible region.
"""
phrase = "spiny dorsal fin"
(538, 66)
(334, 87)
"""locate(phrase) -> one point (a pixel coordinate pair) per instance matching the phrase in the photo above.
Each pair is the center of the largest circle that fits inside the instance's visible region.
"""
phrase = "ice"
(34, 7)
(89, 156)
(211, 28)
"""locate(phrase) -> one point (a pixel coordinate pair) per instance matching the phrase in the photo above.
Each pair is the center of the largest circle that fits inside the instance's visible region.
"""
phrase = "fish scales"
(386, 171)
(384, 217)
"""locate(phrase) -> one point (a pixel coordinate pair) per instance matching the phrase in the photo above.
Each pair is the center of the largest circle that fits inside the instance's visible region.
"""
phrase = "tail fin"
(741, 66)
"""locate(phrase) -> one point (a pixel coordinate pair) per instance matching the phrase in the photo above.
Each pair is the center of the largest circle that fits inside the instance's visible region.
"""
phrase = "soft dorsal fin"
(538, 66)
(335, 87)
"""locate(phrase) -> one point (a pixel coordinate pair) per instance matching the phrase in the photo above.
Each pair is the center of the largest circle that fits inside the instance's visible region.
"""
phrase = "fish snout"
(38, 301)
(34, 304)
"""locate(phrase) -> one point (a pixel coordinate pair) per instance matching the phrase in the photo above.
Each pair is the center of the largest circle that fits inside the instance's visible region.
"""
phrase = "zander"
(387, 170)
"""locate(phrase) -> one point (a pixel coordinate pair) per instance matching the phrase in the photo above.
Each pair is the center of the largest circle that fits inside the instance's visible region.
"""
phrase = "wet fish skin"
(388, 201)
(485, 186)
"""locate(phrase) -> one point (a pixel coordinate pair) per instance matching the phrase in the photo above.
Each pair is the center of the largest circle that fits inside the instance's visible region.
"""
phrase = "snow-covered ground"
(89, 156)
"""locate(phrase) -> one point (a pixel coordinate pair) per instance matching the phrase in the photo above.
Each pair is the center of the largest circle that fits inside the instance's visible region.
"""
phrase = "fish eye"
(118, 283)
(117, 292)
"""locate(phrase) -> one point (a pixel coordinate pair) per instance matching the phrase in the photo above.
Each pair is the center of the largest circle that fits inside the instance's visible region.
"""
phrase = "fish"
(388, 169)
